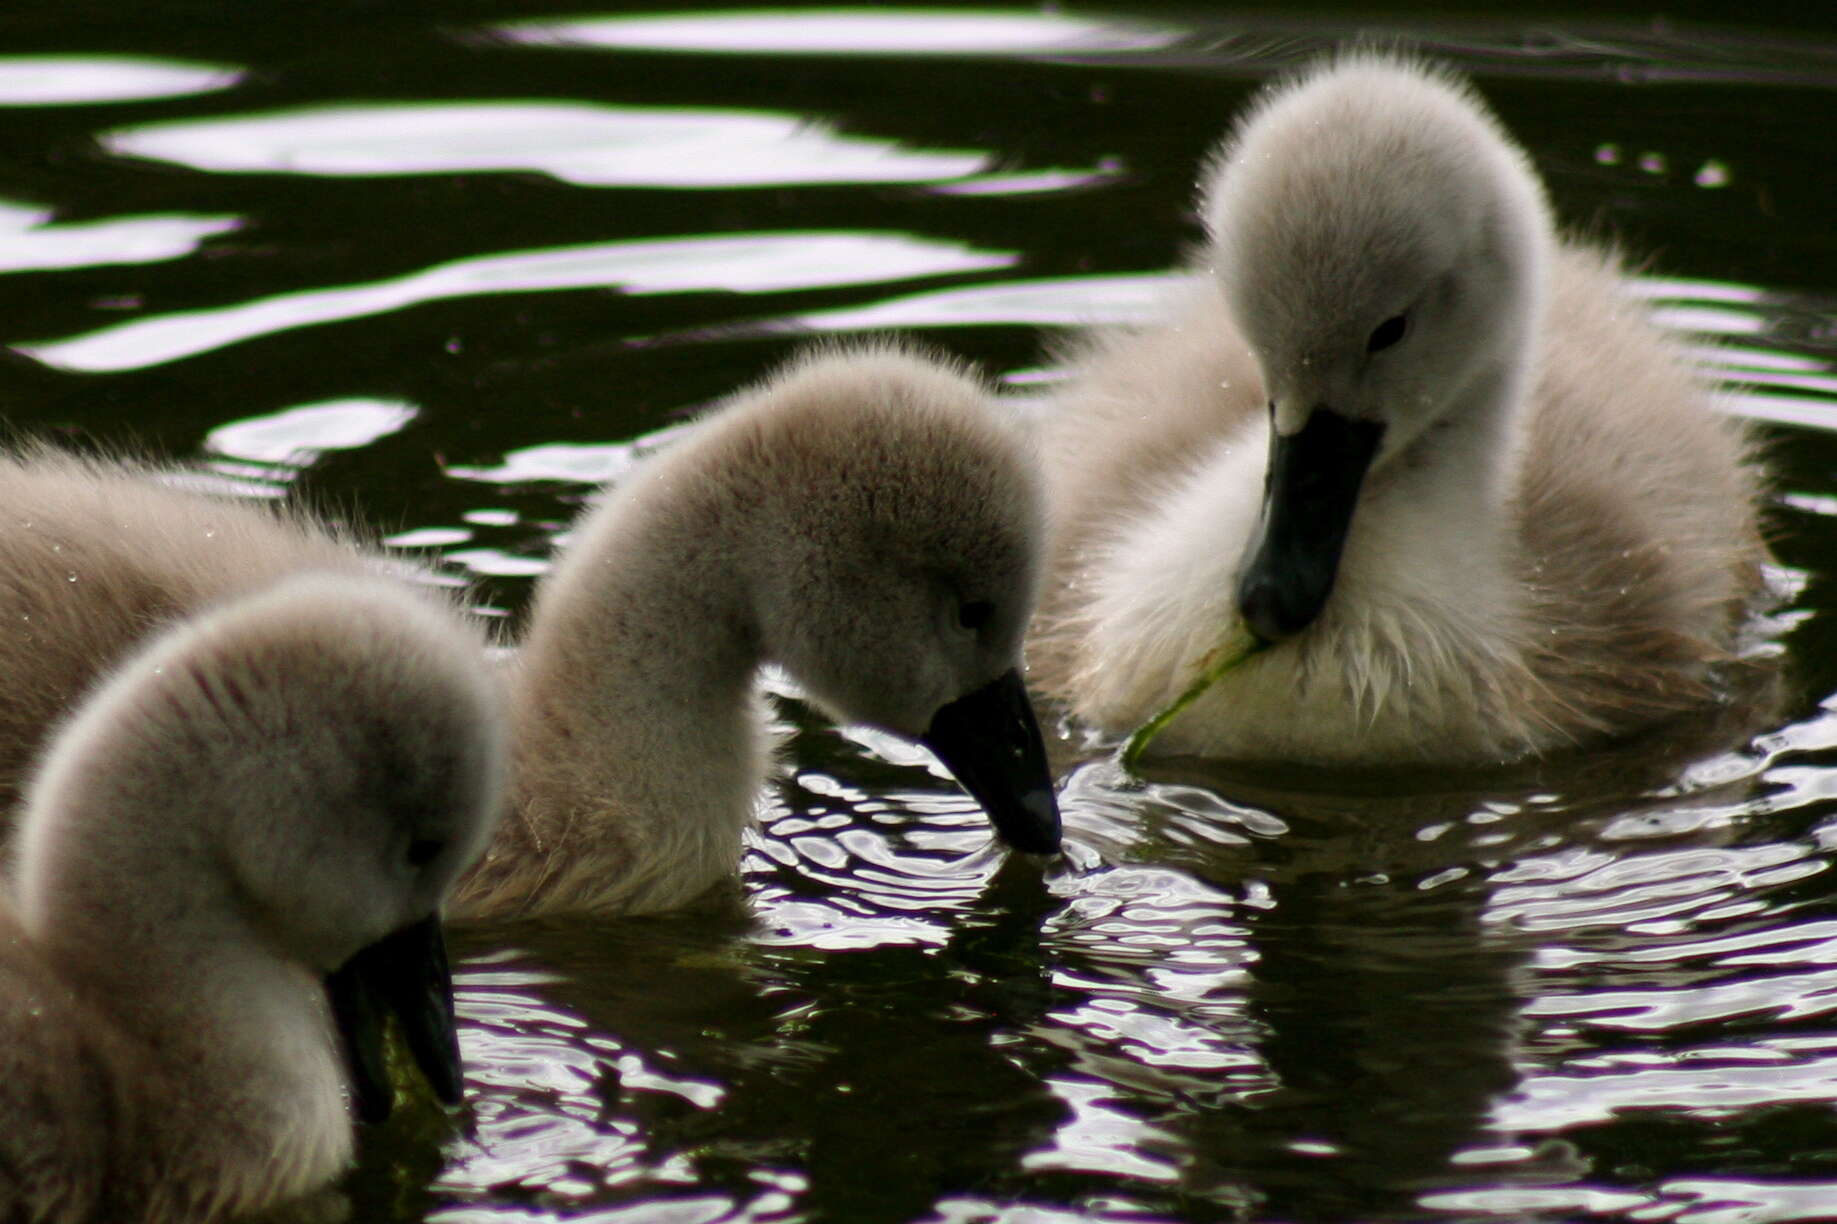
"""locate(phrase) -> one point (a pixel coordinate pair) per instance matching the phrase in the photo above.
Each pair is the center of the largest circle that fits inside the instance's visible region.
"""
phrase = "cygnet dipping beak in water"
(261, 808)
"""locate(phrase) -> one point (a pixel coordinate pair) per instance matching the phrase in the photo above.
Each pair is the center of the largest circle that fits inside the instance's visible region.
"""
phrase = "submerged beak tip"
(453, 1094)
(405, 975)
(371, 1108)
(1045, 834)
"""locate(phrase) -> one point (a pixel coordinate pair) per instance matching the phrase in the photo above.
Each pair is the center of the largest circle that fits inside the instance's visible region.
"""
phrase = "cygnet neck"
(634, 696)
(1462, 469)
(646, 623)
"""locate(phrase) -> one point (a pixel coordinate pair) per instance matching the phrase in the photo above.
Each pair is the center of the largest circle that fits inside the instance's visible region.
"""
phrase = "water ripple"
(295, 437)
(753, 263)
(1579, 889)
(1065, 301)
(587, 145)
(837, 870)
(69, 80)
(541, 1085)
(31, 242)
(1713, 1081)
(851, 31)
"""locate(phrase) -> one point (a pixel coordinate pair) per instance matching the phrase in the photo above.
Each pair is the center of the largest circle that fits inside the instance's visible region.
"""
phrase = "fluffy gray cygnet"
(1430, 454)
(230, 866)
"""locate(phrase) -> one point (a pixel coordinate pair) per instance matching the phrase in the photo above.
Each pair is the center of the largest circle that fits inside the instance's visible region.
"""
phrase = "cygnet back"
(97, 555)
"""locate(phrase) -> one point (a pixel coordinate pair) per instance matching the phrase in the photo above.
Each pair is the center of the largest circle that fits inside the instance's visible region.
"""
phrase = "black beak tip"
(1039, 832)
(1269, 614)
(991, 741)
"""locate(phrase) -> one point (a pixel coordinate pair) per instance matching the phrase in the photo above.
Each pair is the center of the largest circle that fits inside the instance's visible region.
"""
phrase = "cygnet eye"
(1387, 333)
(424, 850)
(974, 614)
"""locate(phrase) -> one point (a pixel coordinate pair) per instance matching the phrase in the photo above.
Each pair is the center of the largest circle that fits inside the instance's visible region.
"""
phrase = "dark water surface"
(450, 264)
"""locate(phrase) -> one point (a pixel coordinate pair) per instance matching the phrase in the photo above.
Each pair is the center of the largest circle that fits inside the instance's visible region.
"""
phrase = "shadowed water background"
(445, 267)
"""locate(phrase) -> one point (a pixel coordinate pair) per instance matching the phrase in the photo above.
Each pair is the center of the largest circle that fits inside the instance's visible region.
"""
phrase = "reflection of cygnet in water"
(1434, 457)
(263, 808)
(867, 519)
(1395, 927)
(1388, 1021)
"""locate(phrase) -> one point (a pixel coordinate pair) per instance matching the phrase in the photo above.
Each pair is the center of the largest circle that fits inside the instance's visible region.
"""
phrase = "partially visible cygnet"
(247, 830)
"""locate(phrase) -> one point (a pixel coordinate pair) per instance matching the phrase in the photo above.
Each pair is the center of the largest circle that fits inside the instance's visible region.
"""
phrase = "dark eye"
(975, 614)
(423, 850)
(1387, 333)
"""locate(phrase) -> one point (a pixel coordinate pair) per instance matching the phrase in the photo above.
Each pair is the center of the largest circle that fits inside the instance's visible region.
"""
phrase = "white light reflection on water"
(1030, 182)
(992, 1211)
(1154, 964)
(579, 143)
(1651, 893)
(1761, 382)
(428, 537)
(1515, 1202)
(1694, 1200)
(1721, 1200)
(853, 31)
(1101, 1138)
(536, 1088)
(1636, 948)
(590, 463)
(747, 263)
(1713, 1081)
(1147, 965)
(31, 242)
(296, 436)
(496, 563)
(66, 80)
(836, 868)
(1061, 301)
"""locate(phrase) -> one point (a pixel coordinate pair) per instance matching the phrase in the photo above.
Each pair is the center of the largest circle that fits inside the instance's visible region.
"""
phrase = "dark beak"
(1309, 494)
(405, 975)
(990, 740)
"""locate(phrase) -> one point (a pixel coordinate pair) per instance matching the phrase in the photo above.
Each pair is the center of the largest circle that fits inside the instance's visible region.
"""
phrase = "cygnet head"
(904, 572)
(308, 769)
(1382, 244)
